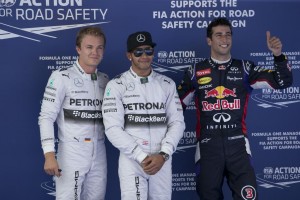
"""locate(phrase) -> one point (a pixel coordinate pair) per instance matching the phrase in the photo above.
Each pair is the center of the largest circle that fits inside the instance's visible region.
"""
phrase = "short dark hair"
(89, 30)
(217, 22)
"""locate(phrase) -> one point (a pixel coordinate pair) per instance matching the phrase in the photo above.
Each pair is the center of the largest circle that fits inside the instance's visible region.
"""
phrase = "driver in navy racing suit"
(221, 87)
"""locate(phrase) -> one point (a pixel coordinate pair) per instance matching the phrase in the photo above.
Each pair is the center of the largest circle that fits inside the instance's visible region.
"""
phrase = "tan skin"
(90, 55)
(221, 43)
(142, 67)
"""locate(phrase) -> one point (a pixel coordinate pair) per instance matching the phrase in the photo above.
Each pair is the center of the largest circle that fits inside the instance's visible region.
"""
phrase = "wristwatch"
(164, 155)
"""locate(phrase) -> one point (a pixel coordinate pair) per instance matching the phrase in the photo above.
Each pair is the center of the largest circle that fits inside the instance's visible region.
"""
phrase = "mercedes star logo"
(78, 82)
(140, 38)
(130, 86)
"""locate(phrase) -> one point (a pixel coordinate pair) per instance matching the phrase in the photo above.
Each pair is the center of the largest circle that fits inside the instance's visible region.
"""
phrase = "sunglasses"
(139, 51)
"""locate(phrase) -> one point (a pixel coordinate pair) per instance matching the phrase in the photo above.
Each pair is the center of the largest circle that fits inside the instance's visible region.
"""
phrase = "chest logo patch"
(203, 72)
(204, 80)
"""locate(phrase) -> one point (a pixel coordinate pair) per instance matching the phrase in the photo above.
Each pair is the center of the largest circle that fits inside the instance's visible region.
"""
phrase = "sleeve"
(52, 100)
(279, 78)
(175, 121)
(113, 119)
(186, 88)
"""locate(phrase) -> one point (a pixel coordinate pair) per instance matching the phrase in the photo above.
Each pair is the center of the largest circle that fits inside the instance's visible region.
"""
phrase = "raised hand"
(274, 44)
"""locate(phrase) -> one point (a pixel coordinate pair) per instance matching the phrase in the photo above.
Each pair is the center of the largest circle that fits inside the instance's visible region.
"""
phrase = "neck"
(88, 69)
(142, 73)
(220, 61)
(220, 57)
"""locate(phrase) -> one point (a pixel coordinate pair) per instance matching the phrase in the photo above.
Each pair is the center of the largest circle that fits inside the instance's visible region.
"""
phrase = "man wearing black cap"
(143, 118)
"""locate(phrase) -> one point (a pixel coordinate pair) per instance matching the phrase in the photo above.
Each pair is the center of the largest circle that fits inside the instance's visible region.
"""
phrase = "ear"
(78, 50)
(128, 56)
(208, 40)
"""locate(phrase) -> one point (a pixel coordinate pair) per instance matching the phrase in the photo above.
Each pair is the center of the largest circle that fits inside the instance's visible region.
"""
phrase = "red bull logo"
(221, 105)
(220, 92)
(227, 92)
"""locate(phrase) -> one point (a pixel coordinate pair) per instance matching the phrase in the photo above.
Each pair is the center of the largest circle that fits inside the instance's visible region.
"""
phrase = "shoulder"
(242, 62)
(202, 65)
(119, 80)
(202, 62)
(102, 75)
(63, 71)
(247, 65)
(59, 73)
(163, 79)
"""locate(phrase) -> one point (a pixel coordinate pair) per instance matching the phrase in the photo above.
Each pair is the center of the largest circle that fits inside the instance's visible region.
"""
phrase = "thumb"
(268, 35)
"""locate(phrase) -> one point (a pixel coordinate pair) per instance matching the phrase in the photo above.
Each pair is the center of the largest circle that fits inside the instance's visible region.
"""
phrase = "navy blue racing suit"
(221, 93)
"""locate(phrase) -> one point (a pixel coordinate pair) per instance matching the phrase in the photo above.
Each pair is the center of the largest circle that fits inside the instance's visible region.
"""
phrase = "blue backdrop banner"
(38, 36)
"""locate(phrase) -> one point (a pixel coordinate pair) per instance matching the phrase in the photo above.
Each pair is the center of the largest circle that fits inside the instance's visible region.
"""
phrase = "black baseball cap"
(138, 39)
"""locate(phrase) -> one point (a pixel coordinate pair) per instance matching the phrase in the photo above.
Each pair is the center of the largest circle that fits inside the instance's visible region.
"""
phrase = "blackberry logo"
(130, 117)
(76, 113)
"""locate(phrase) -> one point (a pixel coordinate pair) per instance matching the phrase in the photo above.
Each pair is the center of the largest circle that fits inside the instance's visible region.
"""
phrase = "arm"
(52, 100)
(113, 119)
(186, 89)
(175, 123)
(279, 78)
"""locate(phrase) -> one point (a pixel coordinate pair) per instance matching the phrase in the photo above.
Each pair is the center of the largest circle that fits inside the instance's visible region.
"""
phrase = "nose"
(223, 38)
(144, 54)
(94, 50)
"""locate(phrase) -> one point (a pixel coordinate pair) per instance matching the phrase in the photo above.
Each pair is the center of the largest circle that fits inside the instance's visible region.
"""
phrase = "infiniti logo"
(140, 38)
(225, 117)
(234, 68)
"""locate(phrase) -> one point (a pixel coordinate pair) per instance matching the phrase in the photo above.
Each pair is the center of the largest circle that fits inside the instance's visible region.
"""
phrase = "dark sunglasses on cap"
(139, 51)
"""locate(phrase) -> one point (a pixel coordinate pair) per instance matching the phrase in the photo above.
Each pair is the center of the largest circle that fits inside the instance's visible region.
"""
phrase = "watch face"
(165, 155)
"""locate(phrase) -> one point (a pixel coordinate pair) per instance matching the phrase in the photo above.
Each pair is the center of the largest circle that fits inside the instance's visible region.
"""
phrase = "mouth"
(224, 45)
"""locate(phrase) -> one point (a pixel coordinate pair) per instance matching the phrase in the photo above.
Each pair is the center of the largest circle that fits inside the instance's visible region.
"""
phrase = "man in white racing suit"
(73, 98)
(143, 118)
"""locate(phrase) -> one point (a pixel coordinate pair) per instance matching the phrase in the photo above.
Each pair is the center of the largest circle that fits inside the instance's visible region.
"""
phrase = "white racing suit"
(143, 116)
(73, 99)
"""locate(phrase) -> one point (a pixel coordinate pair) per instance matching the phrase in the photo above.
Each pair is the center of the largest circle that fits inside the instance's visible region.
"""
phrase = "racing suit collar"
(140, 79)
(83, 74)
(219, 64)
